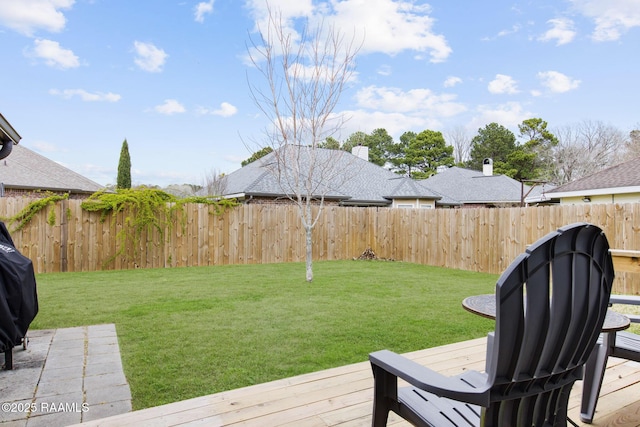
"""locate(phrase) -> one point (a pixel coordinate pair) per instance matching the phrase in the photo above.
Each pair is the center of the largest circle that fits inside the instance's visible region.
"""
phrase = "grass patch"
(189, 332)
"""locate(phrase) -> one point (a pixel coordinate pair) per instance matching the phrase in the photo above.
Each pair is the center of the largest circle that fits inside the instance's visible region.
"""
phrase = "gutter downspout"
(7, 146)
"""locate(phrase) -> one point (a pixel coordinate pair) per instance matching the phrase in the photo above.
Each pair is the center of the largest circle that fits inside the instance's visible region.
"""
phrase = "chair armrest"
(624, 299)
(431, 381)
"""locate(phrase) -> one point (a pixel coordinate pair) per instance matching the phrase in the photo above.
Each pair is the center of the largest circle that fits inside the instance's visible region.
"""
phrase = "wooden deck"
(343, 397)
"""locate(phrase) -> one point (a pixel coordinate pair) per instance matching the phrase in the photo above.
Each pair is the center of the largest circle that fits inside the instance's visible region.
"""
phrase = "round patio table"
(485, 306)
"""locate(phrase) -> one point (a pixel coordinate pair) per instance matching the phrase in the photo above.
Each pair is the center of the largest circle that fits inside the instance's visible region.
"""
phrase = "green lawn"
(188, 332)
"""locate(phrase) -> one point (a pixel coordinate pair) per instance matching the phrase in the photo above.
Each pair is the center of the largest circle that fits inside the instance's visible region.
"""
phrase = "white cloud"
(385, 70)
(149, 57)
(86, 96)
(288, 9)
(557, 82)
(514, 29)
(53, 54)
(286, 12)
(387, 26)
(28, 16)
(562, 31)
(310, 72)
(415, 101)
(503, 84)
(452, 81)
(225, 110)
(508, 115)
(202, 9)
(170, 107)
(392, 27)
(394, 123)
(398, 110)
(504, 33)
(611, 17)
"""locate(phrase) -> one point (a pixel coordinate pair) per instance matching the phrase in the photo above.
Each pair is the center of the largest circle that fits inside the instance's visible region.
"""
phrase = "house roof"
(621, 178)
(474, 187)
(25, 169)
(338, 175)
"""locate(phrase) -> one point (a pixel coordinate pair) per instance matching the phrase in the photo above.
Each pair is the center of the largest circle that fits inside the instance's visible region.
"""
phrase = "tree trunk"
(309, 255)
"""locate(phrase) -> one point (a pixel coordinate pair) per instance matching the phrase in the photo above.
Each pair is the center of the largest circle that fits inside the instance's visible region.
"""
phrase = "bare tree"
(586, 148)
(215, 183)
(633, 146)
(459, 138)
(305, 74)
(603, 143)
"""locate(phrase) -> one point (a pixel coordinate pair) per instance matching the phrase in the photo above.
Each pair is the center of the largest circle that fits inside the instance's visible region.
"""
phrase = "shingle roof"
(470, 186)
(346, 177)
(26, 169)
(625, 174)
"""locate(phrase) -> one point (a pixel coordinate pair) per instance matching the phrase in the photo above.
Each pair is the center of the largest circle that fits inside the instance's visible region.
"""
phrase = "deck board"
(343, 397)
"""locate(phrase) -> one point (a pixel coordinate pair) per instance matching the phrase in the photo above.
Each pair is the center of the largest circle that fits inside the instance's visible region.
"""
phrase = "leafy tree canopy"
(397, 153)
(539, 149)
(356, 138)
(330, 143)
(494, 141)
(426, 152)
(520, 165)
(535, 130)
(257, 155)
(378, 142)
(530, 160)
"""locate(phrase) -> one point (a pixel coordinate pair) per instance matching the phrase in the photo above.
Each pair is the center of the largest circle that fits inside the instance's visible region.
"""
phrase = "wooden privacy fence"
(481, 239)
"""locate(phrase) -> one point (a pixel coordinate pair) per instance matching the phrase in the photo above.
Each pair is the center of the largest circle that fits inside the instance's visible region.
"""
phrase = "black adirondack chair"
(625, 345)
(551, 303)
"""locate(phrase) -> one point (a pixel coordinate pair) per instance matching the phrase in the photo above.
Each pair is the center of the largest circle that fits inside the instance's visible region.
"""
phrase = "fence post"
(64, 235)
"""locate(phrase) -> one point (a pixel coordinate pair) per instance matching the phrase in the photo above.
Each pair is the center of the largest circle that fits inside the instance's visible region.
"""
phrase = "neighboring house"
(617, 184)
(25, 172)
(476, 189)
(354, 181)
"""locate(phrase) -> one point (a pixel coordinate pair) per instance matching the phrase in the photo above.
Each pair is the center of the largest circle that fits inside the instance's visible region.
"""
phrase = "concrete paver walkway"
(66, 376)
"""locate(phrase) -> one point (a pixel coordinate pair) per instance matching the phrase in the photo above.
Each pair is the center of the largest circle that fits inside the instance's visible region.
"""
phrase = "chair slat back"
(551, 304)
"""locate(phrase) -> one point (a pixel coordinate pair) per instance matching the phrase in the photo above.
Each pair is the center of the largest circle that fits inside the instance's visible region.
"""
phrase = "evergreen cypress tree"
(124, 168)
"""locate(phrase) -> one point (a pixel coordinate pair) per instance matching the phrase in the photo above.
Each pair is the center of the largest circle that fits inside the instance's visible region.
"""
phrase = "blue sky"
(170, 76)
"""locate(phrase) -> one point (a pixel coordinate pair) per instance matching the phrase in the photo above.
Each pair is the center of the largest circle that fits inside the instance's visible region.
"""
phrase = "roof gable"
(339, 175)
(470, 186)
(26, 169)
(623, 175)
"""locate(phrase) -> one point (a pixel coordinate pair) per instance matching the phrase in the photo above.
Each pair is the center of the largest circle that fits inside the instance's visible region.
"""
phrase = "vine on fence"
(147, 208)
(23, 217)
